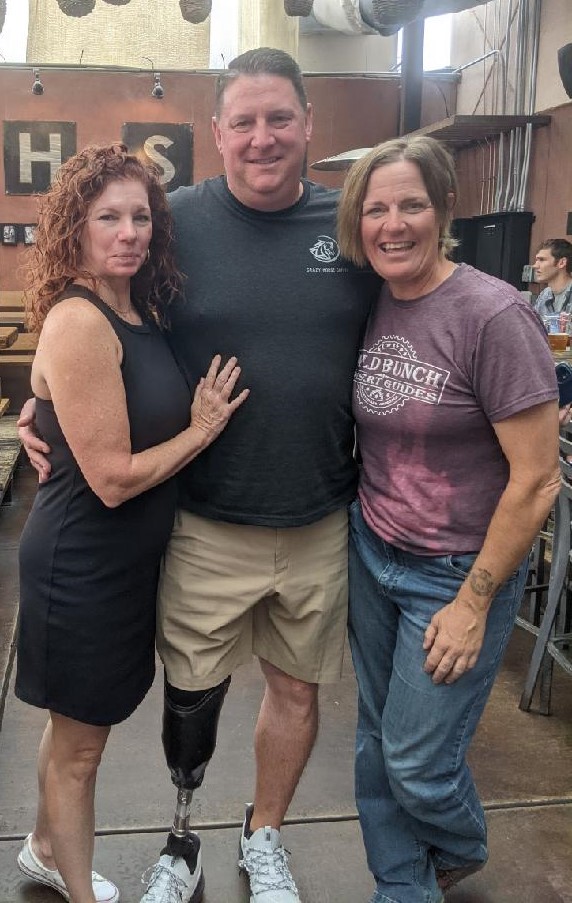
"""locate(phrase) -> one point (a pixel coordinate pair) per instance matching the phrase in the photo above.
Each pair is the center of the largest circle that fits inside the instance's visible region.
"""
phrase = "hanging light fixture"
(37, 87)
(76, 7)
(298, 7)
(158, 89)
(117, 2)
(395, 13)
(195, 11)
(2, 13)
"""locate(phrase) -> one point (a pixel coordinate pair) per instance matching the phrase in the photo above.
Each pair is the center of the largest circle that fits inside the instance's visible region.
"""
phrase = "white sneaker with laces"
(263, 858)
(172, 881)
(29, 864)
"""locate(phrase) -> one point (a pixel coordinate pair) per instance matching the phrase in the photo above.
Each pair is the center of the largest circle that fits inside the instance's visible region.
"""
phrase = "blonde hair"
(437, 171)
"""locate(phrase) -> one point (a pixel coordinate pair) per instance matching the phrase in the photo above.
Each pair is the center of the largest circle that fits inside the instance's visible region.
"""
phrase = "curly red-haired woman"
(116, 412)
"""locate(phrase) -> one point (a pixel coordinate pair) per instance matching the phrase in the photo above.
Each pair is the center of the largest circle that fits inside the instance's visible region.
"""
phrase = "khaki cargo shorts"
(230, 591)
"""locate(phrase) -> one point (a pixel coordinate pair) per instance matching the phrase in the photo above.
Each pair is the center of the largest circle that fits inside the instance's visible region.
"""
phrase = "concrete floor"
(522, 765)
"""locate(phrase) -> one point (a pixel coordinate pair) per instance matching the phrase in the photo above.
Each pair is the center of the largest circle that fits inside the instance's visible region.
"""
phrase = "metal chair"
(554, 638)
(536, 581)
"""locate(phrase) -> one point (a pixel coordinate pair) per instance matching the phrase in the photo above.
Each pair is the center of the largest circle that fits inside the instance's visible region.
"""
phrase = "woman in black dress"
(116, 411)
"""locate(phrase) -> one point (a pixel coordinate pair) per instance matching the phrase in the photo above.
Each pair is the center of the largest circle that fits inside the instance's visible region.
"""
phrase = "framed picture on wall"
(8, 234)
(29, 233)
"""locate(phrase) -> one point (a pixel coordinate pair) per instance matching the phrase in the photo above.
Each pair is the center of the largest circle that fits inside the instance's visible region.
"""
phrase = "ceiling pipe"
(384, 17)
(298, 7)
(411, 77)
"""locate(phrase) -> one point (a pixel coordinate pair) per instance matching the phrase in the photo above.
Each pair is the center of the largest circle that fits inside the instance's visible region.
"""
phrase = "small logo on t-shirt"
(325, 249)
(388, 374)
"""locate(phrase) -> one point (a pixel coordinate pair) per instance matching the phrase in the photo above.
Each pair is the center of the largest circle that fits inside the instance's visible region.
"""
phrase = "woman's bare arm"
(529, 441)
(79, 363)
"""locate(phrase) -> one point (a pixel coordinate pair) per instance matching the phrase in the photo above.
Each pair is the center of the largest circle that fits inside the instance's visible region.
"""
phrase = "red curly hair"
(55, 259)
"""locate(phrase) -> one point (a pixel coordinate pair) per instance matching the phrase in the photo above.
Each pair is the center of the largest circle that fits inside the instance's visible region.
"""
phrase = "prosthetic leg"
(190, 722)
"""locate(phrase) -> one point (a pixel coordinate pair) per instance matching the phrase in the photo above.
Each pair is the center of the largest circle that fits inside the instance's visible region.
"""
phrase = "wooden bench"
(8, 335)
(16, 359)
(11, 298)
(24, 343)
(11, 308)
(19, 353)
(10, 447)
(15, 377)
(15, 318)
(9, 454)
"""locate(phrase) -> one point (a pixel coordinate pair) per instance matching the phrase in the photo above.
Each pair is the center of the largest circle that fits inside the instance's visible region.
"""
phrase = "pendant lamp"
(195, 11)
(76, 7)
(395, 13)
(298, 7)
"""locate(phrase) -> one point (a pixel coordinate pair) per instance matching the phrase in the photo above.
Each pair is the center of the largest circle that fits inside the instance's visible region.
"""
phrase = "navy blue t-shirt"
(272, 289)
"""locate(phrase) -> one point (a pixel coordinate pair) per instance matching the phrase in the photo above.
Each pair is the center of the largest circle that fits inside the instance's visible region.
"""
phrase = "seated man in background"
(553, 265)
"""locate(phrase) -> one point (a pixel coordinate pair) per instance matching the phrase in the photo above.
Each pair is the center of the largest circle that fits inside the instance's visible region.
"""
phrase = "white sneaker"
(29, 864)
(263, 858)
(172, 881)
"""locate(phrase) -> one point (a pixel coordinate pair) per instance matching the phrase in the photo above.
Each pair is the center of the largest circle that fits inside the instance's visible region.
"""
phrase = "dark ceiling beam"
(411, 76)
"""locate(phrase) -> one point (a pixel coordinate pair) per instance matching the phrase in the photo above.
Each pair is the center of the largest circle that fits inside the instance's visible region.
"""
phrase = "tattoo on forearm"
(482, 583)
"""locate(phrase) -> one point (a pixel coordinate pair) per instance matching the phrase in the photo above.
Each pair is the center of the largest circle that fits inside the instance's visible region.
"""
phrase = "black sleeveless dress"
(88, 574)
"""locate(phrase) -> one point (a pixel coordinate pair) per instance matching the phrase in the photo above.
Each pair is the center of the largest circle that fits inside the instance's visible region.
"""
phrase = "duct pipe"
(298, 7)
(531, 104)
(388, 16)
(509, 170)
(341, 15)
(383, 17)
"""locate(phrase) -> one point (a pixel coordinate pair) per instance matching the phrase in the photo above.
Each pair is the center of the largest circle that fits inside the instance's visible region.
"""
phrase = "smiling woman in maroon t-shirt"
(459, 468)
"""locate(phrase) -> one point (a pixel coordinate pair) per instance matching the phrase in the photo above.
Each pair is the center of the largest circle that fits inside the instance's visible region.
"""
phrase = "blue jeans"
(416, 799)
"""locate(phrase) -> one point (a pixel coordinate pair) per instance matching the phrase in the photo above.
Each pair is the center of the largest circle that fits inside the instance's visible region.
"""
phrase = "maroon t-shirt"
(433, 376)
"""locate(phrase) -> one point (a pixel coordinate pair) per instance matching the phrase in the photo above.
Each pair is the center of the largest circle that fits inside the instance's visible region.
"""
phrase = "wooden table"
(8, 335)
(17, 350)
(11, 308)
(9, 452)
(23, 343)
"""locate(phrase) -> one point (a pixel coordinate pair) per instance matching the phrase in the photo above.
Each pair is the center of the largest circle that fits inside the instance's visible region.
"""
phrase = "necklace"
(123, 314)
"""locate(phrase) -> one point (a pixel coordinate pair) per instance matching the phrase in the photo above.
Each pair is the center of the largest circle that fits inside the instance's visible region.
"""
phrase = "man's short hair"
(559, 248)
(261, 61)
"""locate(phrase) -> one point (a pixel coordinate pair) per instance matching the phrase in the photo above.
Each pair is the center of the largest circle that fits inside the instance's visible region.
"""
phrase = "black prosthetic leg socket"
(189, 733)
